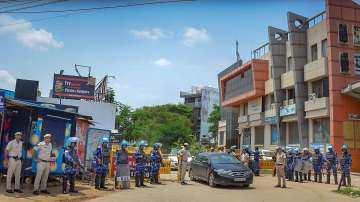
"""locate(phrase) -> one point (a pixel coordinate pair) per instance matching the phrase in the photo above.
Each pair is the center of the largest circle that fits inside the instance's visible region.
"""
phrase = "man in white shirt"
(13, 158)
(43, 151)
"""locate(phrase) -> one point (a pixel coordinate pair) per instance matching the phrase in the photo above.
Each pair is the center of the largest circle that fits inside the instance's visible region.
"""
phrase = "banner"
(73, 87)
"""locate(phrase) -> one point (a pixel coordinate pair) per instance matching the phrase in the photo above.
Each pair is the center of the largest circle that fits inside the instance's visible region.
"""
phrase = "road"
(262, 190)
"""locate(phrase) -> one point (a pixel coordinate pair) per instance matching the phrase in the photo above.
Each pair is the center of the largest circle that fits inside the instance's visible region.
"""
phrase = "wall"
(103, 114)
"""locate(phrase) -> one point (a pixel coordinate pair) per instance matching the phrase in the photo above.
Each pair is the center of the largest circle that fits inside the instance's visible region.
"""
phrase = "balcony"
(222, 124)
(243, 119)
(317, 107)
(271, 112)
(288, 109)
(287, 79)
(269, 86)
(256, 119)
(316, 70)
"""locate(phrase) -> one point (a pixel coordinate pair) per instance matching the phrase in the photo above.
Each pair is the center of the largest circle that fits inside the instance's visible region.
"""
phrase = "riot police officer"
(298, 166)
(72, 163)
(289, 169)
(256, 162)
(122, 166)
(317, 161)
(345, 165)
(140, 161)
(306, 158)
(232, 151)
(331, 162)
(155, 164)
(101, 160)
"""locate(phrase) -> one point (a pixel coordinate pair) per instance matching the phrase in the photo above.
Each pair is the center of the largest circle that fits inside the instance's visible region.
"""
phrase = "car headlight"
(222, 171)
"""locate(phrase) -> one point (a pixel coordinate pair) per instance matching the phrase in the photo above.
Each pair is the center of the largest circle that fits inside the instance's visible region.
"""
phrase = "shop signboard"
(2, 101)
(271, 120)
(288, 110)
(73, 87)
(254, 106)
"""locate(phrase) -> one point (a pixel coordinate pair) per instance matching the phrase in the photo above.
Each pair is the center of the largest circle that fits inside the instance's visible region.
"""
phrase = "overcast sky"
(154, 51)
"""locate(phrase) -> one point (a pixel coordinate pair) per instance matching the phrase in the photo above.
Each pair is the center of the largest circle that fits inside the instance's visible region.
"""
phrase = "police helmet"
(104, 140)
(156, 146)
(124, 143)
(330, 147)
(296, 150)
(305, 149)
(316, 147)
(71, 140)
(142, 143)
(344, 147)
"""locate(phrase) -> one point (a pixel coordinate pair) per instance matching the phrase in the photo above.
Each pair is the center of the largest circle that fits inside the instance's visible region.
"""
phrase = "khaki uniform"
(14, 149)
(43, 165)
(280, 167)
(183, 156)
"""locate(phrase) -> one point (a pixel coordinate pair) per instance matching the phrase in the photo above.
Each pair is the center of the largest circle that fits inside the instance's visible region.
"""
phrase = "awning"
(352, 90)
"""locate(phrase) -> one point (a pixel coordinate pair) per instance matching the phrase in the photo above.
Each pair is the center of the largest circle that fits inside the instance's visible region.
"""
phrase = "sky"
(154, 51)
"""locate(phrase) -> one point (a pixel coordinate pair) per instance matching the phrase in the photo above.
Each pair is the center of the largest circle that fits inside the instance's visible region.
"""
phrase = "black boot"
(142, 179)
(296, 176)
(315, 177)
(328, 178)
(102, 181)
(301, 177)
(309, 176)
(305, 177)
(320, 177)
(72, 184)
(348, 177)
(343, 179)
(137, 181)
(335, 177)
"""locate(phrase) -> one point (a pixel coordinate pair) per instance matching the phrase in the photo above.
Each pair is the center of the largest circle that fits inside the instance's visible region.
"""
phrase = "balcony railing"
(316, 69)
(257, 117)
(287, 79)
(315, 103)
(270, 112)
(260, 52)
(243, 119)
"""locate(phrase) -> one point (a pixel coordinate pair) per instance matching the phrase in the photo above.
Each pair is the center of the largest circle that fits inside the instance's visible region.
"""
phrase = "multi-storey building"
(303, 86)
(202, 100)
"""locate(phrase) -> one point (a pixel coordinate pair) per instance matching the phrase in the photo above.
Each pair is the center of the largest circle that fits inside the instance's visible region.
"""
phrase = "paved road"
(261, 190)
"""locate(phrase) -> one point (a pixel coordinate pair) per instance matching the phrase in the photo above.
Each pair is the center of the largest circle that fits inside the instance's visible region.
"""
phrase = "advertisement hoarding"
(73, 87)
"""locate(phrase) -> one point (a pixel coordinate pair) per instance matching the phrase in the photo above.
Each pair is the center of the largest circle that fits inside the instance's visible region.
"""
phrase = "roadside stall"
(34, 120)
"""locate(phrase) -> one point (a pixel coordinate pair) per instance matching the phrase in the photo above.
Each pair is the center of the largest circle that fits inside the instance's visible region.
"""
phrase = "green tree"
(110, 96)
(214, 119)
(123, 120)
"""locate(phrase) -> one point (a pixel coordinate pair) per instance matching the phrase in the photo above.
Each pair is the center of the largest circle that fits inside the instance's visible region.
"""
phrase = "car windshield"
(224, 159)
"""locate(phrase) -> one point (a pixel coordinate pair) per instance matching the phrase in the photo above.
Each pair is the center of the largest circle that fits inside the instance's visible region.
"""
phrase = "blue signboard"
(2, 101)
(288, 110)
(271, 120)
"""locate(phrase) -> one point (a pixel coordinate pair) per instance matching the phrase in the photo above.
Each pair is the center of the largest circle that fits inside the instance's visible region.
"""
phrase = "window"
(343, 35)
(321, 88)
(246, 136)
(357, 64)
(291, 93)
(321, 130)
(314, 52)
(259, 135)
(245, 109)
(356, 35)
(324, 46)
(344, 62)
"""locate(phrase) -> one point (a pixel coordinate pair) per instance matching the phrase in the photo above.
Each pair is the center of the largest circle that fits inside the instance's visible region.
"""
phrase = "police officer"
(140, 161)
(72, 163)
(317, 161)
(245, 157)
(298, 166)
(345, 165)
(306, 158)
(331, 162)
(290, 165)
(13, 158)
(101, 160)
(42, 155)
(232, 151)
(156, 160)
(183, 157)
(256, 162)
(280, 167)
(122, 163)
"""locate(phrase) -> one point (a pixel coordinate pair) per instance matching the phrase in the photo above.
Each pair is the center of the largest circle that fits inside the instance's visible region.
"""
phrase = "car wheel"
(191, 176)
(211, 180)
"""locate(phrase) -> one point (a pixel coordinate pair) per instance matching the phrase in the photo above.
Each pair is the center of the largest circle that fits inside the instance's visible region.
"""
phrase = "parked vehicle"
(174, 159)
(266, 154)
(220, 169)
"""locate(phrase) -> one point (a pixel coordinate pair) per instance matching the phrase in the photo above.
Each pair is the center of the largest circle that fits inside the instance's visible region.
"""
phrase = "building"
(302, 87)
(202, 100)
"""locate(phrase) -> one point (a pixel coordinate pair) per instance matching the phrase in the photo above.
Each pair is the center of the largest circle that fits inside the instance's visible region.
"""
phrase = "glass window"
(246, 136)
(344, 62)
(291, 93)
(357, 64)
(223, 159)
(314, 53)
(343, 35)
(321, 130)
(324, 48)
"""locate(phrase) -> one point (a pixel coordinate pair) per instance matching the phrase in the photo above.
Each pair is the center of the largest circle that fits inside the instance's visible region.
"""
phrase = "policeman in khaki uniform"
(43, 150)
(13, 157)
(183, 156)
(280, 167)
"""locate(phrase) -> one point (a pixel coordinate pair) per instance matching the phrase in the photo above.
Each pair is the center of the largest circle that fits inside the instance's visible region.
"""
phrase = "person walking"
(13, 160)
(42, 155)
(280, 167)
(183, 157)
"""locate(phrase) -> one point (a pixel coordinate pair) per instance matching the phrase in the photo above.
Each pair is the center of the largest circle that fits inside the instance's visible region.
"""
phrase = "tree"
(110, 96)
(214, 119)
(123, 120)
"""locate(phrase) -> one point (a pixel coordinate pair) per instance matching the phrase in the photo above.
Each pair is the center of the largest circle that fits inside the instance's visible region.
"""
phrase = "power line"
(20, 4)
(94, 8)
(32, 6)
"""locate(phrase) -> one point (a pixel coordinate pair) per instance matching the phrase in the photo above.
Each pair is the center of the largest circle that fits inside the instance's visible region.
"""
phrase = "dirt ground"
(170, 191)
